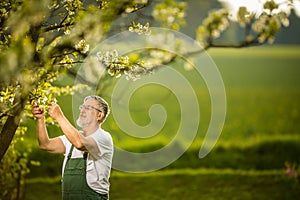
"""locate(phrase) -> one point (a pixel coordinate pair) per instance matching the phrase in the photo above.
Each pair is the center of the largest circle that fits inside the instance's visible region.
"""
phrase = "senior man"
(88, 152)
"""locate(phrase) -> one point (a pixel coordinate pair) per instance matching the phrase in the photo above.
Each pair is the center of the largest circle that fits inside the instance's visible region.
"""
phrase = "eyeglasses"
(88, 108)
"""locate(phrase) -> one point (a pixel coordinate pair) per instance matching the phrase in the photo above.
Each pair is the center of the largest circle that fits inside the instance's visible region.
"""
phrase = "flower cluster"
(134, 4)
(170, 14)
(136, 72)
(268, 25)
(213, 26)
(262, 19)
(244, 16)
(117, 65)
(140, 29)
(257, 7)
(82, 46)
(113, 62)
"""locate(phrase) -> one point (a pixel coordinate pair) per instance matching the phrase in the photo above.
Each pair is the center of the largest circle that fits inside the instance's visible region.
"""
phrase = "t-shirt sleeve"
(66, 142)
(63, 139)
(104, 143)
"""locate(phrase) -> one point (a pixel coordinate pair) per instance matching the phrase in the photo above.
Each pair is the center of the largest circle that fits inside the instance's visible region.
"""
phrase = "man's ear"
(100, 116)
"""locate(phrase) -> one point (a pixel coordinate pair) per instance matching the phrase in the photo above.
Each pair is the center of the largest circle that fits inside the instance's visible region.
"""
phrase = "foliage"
(14, 167)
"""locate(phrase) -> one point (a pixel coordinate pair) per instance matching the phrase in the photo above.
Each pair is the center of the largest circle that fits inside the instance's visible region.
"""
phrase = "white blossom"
(82, 46)
(256, 7)
(296, 6)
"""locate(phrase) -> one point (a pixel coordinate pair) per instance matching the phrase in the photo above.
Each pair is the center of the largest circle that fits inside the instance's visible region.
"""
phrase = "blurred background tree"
(41, 40)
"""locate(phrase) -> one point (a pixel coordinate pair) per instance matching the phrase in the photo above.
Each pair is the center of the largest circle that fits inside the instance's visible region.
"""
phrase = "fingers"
(54, 111)
(52, 107)
(34, 104)
(38, 112)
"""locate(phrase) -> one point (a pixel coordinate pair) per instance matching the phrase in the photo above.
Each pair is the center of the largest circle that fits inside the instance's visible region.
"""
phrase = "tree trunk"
(11, 124)
(8, 132)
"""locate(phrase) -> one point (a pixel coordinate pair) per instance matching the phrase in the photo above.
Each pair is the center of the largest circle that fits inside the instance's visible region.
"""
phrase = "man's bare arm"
(78, 140)
(53, 145)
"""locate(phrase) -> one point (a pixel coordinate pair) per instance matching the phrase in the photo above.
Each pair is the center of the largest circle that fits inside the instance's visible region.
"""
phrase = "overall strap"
(70, 152)
(85, 154)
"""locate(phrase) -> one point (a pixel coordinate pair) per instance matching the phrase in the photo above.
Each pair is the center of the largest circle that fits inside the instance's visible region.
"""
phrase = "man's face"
(89, 113)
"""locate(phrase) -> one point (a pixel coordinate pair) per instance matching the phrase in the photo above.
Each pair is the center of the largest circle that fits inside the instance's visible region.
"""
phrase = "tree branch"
(237, 45)
(51, 28)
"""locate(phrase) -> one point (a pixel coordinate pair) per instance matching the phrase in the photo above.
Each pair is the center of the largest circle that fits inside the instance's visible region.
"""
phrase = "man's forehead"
(91, 101)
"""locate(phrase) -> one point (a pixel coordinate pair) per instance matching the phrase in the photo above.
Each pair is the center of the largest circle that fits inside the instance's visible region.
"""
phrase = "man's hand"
(55, 111)
(37, 111)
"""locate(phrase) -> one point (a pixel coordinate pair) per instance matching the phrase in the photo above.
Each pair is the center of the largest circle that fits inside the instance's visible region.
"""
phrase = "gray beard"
(80, 123)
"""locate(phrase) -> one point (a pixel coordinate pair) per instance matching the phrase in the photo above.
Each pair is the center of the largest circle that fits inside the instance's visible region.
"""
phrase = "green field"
(261, 133)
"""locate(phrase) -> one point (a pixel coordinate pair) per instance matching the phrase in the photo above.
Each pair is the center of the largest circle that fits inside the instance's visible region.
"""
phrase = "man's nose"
(82, 111)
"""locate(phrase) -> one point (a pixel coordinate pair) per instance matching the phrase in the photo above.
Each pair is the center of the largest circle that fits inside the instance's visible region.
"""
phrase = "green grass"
(260, 134)
(214, 184)
(204, 184)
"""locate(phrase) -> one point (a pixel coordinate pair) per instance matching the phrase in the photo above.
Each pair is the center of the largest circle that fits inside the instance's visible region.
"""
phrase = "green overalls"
(74, 184)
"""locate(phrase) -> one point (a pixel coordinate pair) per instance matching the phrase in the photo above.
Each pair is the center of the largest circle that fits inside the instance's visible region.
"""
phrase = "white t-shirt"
(98, 166)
